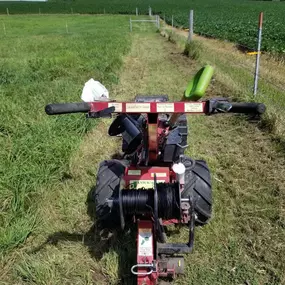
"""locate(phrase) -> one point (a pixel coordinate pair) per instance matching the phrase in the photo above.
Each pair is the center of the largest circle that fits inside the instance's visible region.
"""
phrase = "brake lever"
(105, 113)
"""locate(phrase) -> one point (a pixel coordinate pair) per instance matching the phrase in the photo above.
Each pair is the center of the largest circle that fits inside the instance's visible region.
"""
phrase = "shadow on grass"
(99, 243)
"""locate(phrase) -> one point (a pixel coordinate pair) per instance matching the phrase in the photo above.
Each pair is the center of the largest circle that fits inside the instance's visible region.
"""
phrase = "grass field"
(234, 20)
(41, 63)
(48, 164)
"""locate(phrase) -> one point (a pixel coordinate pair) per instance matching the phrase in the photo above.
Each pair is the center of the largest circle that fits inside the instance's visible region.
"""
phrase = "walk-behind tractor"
(154, 184)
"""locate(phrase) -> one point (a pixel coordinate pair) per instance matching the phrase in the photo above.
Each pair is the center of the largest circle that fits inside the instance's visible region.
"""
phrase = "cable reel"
(161, 202)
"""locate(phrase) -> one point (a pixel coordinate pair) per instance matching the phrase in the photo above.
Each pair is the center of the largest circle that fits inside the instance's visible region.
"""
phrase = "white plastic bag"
(94, 91)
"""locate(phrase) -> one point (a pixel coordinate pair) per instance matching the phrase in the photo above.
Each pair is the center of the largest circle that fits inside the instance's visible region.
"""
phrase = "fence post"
(131, 28)
(191, 20)
(137, 11)
(39, 11)
(149, 11)
(66, 27)
(257, 62)
(172, 21)
(7, 10)
(158, 21)
(4, 28)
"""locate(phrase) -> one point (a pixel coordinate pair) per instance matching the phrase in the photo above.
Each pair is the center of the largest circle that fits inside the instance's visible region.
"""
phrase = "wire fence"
(278, 86)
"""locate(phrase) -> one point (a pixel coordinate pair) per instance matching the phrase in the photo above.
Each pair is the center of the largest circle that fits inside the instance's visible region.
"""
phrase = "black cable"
(168, 202)
(137, 201)
(141, 201)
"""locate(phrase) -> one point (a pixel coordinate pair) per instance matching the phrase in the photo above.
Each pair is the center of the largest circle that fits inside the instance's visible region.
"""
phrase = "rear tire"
(198, 183)
(108, 181)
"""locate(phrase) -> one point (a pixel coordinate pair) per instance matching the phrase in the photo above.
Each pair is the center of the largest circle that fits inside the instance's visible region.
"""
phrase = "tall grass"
(237, 76)
(40, 63)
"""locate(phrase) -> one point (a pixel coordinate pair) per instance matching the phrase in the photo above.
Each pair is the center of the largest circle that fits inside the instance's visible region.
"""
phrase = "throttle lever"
(105, 113)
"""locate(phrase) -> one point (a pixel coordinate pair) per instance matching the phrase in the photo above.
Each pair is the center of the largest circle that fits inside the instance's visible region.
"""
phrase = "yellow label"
(193, 107)
(138, 107)
(148, 184)
(134, 172)
(159, 174)
(118, 106)
(165, 107)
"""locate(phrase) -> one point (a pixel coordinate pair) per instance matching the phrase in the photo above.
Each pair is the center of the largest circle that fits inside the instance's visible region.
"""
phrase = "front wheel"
(108, 181)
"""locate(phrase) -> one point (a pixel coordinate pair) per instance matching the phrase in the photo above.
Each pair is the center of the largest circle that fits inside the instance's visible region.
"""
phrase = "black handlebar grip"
(65, 108)
(248, 108)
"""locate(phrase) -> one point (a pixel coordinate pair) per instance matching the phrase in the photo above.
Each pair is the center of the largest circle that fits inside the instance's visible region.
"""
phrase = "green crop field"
(234, 20)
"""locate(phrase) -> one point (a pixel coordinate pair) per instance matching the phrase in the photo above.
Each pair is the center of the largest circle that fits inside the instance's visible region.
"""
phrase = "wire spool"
(132, 202)
(168, 201)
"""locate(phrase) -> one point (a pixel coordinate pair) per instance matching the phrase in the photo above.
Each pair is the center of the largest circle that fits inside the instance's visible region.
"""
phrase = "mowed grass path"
(46, 59)
(243, 244)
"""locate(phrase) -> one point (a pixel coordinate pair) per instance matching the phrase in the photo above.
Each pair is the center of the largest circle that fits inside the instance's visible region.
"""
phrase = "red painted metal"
(151, 107)
(152, 142)
(136, 176)
(260, 20)
(171, 222)
(143, 177)
(146, 252)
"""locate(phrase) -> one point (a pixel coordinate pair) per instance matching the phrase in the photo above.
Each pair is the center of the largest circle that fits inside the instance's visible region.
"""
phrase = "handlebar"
(99, 108)
(217, 105)
(248, 108)
(65, 108)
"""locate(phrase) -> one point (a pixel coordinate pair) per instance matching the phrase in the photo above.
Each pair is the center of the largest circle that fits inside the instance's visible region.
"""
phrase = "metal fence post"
(149, 11)
(257, 62)
(172, 22)
(137, 11)
(131, 28)
(191, 20)
(7, 10)
(158, 21)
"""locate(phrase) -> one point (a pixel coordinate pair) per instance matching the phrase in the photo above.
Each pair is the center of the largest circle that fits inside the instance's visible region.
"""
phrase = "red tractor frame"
(155, 184)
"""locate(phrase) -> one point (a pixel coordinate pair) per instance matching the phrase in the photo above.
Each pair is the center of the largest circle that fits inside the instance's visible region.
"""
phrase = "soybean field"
(233, 20)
